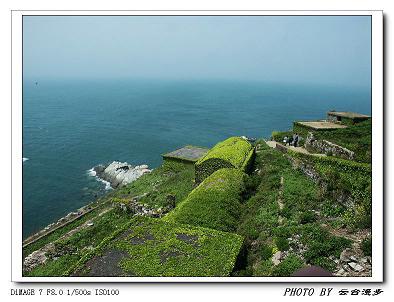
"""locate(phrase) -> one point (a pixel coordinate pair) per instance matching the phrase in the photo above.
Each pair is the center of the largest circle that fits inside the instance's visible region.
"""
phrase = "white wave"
(93, 173)
(107, 183)
(24, 159)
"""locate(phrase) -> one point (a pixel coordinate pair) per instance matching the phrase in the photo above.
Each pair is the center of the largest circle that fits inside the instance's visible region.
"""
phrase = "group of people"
(291, 141)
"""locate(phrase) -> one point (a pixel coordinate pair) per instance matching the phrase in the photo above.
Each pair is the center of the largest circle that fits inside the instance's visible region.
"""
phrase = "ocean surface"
(69, 126)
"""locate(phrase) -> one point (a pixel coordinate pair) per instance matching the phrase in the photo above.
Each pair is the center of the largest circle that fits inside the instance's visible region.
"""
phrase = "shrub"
(215, 203)
(282, 243)
(366, 246)
(251, 184)
(278, 136)
(325, 247)
(325, 263)
(234, 152)
(332, 209)
(288, 266)
(263, 268)
(307, 217)
(265, 251)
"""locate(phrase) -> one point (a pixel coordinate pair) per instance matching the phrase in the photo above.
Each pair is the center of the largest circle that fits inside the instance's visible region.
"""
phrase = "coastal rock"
(119, 174)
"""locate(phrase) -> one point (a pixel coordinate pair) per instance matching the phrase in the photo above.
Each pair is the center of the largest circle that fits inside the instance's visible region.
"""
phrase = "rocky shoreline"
(118, 174)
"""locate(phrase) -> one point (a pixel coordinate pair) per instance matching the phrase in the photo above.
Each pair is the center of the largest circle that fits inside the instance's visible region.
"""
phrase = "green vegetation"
(276, 208)
(282, 244)
(233, 152)
(164, 186)
(298, 231)
(366, 246)
(357, 138)
(303, 130)
(153, 247)
(300, 193)
(288, 266)
(278, 136)
(215, 203)
(321, 244)
(349, 179)
(100, 205)
(67, 252)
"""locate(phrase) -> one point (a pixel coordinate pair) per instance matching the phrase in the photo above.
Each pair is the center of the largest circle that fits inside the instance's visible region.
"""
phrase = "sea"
(70, 126)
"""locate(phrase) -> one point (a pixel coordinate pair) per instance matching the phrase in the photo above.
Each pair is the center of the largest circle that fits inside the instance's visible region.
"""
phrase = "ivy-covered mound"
(153, 247)
(233, 152)
(215, 203)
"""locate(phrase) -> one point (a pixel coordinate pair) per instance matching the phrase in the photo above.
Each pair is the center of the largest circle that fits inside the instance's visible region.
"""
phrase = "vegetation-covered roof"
(153, 247)
(215, 203)
(233, 150)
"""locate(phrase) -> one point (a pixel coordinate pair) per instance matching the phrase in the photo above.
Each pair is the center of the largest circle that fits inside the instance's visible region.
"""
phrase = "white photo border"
(377, 143)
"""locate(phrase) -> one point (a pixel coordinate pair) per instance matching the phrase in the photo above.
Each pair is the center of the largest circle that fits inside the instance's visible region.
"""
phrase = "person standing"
(296, 139)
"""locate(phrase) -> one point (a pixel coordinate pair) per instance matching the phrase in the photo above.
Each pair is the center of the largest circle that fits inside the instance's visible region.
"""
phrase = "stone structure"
(314, 145)
(346, 117)
(187, 154)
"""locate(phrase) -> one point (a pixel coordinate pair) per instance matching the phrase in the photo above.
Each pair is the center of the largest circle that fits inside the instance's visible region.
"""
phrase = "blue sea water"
(69, 126)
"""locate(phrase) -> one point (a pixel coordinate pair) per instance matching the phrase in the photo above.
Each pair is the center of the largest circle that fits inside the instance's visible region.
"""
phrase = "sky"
(333, 50)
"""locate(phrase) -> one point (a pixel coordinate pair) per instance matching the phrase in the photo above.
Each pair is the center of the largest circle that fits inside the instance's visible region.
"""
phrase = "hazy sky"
(332, 50)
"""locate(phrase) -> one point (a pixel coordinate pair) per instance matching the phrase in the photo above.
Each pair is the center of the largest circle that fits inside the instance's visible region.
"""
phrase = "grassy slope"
(67, 252)
(265, 233)
(176, 180)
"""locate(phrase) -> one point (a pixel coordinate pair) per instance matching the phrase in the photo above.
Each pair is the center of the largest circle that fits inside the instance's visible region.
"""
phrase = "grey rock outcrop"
(119, 174)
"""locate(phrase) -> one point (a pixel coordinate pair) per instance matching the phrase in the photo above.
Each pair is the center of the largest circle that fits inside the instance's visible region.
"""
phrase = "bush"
(332, 209)
(265, 252)
(263, 268)
(215, 203)
(288, 266)
(251, 184)
(234, 152)
(366, 246)
(307, 217)
(325, 263)
(278, 136)
(325, 247)
(282, 243)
